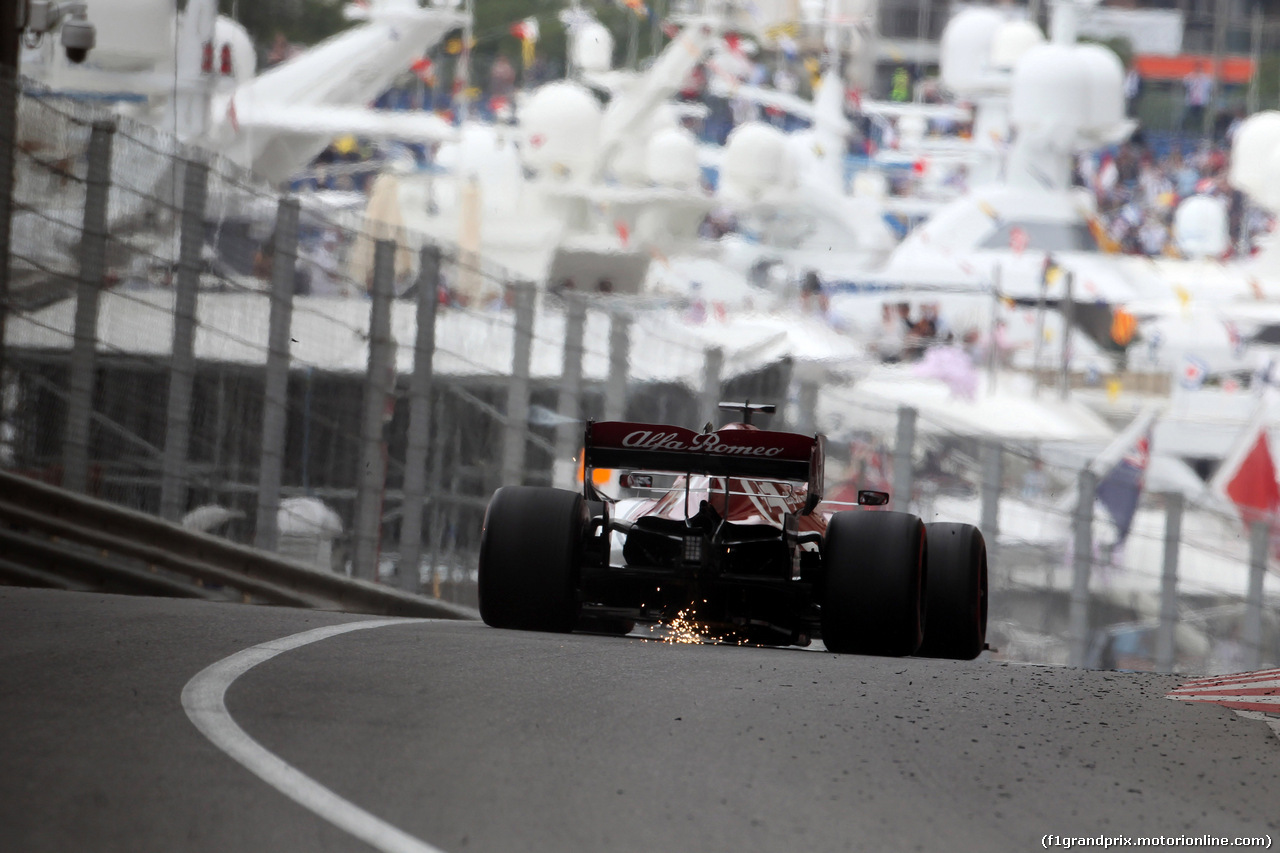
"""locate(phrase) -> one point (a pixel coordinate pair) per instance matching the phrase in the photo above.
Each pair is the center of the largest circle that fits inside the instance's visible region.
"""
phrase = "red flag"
(422, 68)
(526, 30)
(1248, 474)
(1018, 240)
(1253, 487)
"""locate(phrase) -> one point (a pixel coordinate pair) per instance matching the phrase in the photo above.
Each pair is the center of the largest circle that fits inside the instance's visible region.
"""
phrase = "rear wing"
(741, 453)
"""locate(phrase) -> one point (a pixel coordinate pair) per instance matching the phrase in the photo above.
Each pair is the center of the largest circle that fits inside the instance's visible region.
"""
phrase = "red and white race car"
(730, 531)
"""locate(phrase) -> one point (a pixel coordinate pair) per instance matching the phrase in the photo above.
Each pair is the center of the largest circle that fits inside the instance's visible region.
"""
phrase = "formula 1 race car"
(729, 531)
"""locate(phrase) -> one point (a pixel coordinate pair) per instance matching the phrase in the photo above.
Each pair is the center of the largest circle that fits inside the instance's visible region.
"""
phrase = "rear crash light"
(692, 552)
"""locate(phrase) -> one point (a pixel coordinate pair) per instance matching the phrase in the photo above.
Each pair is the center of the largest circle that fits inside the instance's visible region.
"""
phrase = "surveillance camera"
(78, 38)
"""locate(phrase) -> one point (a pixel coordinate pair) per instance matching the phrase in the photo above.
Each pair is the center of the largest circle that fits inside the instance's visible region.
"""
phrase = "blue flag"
(1120, 489)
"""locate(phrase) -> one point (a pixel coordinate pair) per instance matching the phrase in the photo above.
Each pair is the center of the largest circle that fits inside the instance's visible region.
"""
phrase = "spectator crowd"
(1139, 184)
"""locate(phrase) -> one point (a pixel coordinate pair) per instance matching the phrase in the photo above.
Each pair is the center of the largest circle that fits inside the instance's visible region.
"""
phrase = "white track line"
(1269, 719)
(203, 698)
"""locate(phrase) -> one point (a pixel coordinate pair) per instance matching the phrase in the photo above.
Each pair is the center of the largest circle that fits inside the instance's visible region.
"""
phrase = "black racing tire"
(530, 551)
(956, 601)
(874, 584)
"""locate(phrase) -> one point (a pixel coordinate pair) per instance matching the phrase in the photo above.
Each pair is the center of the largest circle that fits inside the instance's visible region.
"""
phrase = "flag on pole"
(1120, 489)
(1247, 475)
(1193, 372)
(1234, 337)
(1127, 453)
(424, 70)
(527, 31)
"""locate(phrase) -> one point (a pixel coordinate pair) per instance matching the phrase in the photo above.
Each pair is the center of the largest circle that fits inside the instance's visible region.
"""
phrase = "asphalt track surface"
(466, 738)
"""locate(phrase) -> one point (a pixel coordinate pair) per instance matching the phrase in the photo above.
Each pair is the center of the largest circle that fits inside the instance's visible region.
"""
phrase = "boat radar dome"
(592, 48)
(560, 130)
(629, 163)
(1072, 93)
(671, 159)
(965, 51)
(1253, 158)
(1200, 227)
(1105, 99)
(480, 153)
(1049, 93)
(756, 161)
(1013, 39)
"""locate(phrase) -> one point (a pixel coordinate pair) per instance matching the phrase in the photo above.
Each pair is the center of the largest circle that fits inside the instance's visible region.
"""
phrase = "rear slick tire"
(873, 598)
(530, 551)
(956, 603)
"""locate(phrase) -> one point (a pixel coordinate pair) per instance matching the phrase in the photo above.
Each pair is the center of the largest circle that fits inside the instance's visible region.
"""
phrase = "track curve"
(469, 738)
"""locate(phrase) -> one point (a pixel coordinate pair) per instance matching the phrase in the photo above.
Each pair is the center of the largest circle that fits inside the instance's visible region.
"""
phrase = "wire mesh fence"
(1069, 584)
(300, 373)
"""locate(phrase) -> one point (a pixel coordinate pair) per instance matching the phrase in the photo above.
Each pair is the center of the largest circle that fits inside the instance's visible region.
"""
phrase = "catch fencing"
(1186, 590)
(295, 373)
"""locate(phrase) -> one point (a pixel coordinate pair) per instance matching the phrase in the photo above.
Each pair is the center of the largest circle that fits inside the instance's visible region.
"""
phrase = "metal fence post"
(1038, 343)
(436, 487)
(378, 385)
(712, 371)
(419, 437)
(1082, 565)
(93, 248)
(1166, 638)
(8, 130)
(182, 365)
(993, 326)
(992, 476)
(517, 421)
(615, 392)
(903, 474)
(275, 390)
(569, 397)
(1251, 635)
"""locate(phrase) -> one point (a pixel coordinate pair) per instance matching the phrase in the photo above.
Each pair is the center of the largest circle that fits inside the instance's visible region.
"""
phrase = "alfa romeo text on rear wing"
(741, 453)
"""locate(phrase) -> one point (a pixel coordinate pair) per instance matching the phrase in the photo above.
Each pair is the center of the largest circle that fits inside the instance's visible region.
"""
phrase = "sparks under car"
(729, 529)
